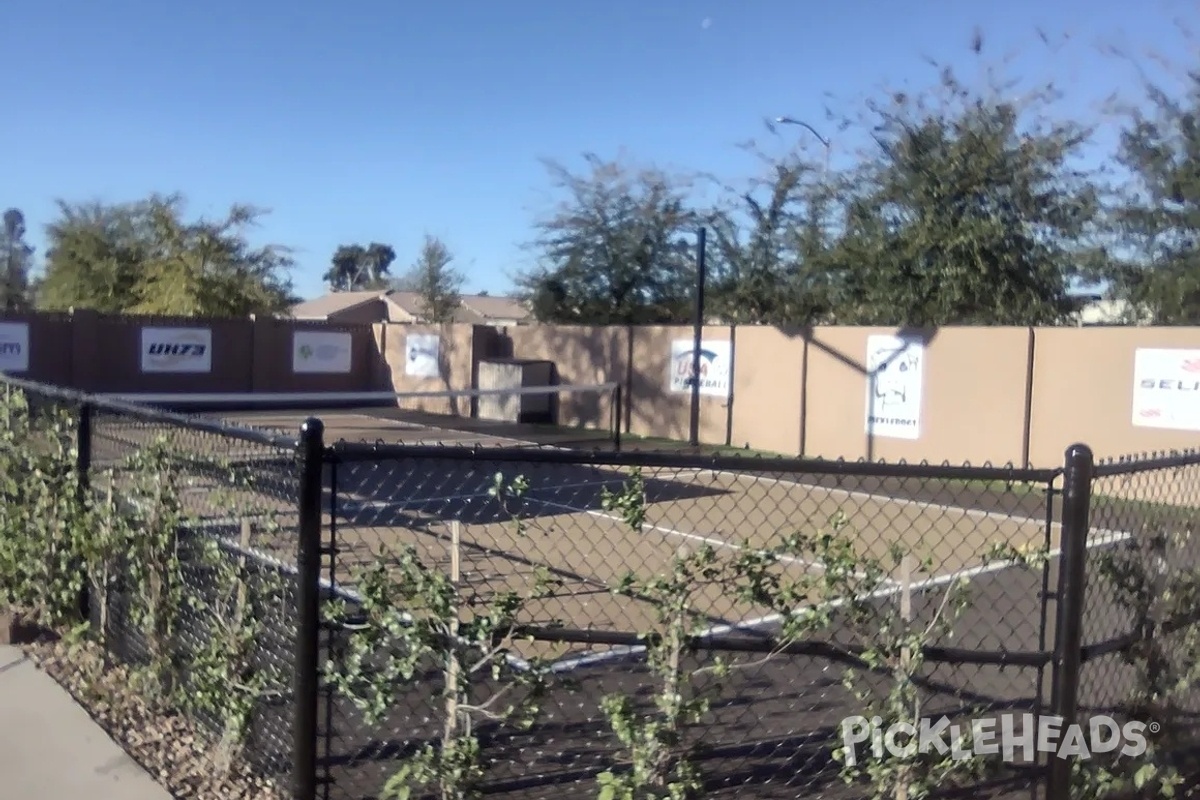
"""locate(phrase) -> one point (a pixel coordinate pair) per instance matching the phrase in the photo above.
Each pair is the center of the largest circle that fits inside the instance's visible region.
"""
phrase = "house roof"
(495, 307)
(473, 309)
(333, 303)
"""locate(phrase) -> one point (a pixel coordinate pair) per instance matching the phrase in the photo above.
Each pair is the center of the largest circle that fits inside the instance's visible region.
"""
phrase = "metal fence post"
(308, 605)
(1072, 576)
(83, 483)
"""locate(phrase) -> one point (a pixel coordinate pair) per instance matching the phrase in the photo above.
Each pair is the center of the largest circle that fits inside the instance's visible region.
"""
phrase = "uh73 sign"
(176, 350)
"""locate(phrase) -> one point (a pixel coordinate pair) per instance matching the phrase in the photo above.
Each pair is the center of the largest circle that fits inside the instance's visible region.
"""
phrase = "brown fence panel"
(37, 346)
(162, 354)
(951, 394)
(313, 356)
(423, 358)
(1085, 388)
(768, 389)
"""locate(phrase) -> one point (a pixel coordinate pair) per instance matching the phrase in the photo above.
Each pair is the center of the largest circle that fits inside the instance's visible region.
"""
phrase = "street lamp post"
(824, 142)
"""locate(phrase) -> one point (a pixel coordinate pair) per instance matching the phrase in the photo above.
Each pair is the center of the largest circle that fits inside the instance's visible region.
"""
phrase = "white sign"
(14, 346)
(321, 351)
(176, 350)
(895, 374)
(422, 356)
(715, 360)
(1166, 389)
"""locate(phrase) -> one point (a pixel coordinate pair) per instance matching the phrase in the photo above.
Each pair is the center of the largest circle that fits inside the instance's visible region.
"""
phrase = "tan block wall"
(973, 397)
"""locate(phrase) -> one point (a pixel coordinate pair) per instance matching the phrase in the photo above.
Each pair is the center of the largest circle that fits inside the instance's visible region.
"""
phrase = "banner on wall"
(715, 360)
(895, 378)
(422, 356)
(321, 352)
(1166, 389)
(176, 350)
(14, 346)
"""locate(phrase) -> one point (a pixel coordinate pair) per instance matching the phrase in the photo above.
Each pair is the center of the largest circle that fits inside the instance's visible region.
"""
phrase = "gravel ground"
(167, 745)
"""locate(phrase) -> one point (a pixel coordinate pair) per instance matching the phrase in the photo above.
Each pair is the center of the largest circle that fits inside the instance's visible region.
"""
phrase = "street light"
(824, 142)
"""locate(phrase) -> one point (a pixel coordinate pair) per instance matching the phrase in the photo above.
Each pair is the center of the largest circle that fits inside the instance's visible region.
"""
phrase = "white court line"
(924, 505)
(386, 505)
(1104, 539)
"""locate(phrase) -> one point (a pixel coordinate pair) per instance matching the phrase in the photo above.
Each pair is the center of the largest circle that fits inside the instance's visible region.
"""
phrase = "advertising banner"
(1166, 389)
(176, 350)
(14, 346)
(422, 356)
(321, 352)
(715, 360)
(895, 379)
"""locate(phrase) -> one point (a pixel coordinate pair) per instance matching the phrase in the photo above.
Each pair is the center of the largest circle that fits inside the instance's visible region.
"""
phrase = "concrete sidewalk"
(50, 748)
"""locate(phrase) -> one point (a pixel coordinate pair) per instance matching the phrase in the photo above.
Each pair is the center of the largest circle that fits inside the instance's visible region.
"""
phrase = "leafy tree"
(1157, 220)
(356, 268)
(438, 284)
(17, 255)
(614, 250)
(968, 213)
(145, 258)
(767, 262)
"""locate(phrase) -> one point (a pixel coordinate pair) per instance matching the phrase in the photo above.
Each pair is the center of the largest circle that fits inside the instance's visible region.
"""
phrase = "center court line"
(1104, 539)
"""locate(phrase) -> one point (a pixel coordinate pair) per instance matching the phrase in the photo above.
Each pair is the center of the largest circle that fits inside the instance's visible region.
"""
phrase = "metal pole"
(83, 483)
(1072, 569)
(697, 340)
(308, 605)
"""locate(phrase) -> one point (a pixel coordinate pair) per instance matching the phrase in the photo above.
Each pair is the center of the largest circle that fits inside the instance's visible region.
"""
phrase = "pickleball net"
(562, 416)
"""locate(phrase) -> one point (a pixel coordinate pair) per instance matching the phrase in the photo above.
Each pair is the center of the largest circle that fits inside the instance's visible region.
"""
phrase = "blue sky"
(386, 121)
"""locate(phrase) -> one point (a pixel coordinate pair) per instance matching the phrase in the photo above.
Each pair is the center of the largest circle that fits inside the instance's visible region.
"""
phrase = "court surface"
(558, 528)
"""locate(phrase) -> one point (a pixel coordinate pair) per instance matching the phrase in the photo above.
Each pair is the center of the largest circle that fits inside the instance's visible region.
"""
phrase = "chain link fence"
(710, 623)
(356, 620)
(174, 539)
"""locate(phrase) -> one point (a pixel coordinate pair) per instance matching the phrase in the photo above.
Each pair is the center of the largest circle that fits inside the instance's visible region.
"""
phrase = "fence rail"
(345, 618)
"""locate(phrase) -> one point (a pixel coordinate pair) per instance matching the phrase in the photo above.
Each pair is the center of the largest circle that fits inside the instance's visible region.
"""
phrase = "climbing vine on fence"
(183, 614)
(413, 616)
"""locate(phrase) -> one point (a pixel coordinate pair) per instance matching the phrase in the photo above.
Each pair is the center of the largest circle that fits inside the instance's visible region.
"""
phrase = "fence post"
(1072, 577)
(83, 484)
(308, 605)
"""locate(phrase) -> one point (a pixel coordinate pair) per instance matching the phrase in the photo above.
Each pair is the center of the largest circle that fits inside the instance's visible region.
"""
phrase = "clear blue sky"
(385, 121)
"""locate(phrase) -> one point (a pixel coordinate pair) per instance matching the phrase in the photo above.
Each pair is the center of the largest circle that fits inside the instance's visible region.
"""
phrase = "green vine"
(122, 540)
(412, 615)
(1152, 585)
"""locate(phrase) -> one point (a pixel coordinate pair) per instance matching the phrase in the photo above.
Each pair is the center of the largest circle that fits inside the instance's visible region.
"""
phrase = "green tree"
(1157, 217)
(436, 281)
(966, 211)
(354, 268)
(145, 258)
(767, 262)
(17, 258)
(614, 251)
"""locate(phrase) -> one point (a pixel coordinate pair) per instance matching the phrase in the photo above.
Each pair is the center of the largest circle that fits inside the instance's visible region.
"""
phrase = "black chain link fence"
(546, 622)
(934, 544)
(184, 544)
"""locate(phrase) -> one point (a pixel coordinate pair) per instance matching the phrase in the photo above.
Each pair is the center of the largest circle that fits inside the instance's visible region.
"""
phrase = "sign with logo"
(1166, 389)
(14, 346)
(715, 360)
(895, 378)
(176, 350)
(422, 356)
(321, 351)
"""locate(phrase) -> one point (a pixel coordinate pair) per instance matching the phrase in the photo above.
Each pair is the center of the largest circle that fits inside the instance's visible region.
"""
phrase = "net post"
(1068, 645)
(311, 451)
(83, 483)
